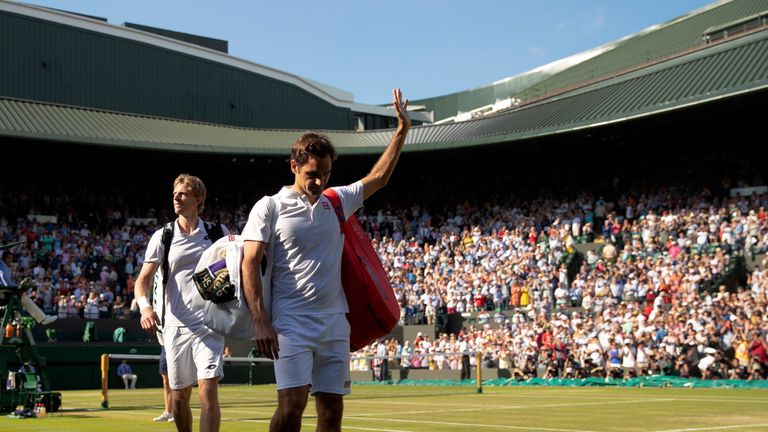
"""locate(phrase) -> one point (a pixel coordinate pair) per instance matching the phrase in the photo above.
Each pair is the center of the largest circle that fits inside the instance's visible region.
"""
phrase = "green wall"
(72, 366)
(51, 62)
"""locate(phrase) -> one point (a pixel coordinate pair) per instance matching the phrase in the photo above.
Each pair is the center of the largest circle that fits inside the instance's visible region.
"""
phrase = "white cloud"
(599, 20)
(562, 25)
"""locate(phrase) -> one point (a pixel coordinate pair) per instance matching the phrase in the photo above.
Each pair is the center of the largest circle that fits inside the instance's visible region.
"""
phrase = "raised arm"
(382, 170)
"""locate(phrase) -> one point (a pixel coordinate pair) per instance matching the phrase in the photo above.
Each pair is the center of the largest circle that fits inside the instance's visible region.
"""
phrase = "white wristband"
(143, 303)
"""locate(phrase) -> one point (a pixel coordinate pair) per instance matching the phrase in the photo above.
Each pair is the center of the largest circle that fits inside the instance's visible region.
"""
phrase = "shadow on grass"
(235, 405)
(406, 396)
(115, 408)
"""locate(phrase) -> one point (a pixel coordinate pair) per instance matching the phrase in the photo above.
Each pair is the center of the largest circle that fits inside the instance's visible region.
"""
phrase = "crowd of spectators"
(83, 258)
(716, 336)
(514, 257)
(655, 285)
(652, 298)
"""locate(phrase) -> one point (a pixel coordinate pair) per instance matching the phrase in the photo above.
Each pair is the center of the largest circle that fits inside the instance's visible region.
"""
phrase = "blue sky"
(428, 48)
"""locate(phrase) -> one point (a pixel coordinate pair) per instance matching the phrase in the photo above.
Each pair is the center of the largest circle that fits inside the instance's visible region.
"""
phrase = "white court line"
(256, 421)
(411, 403)
(712, 428)
(264, 413)
(468, 425)
(106, 411)
(506, 405)
(345, 427)
(574, 396)
(487, 407)
(678, 396)
(706, 399)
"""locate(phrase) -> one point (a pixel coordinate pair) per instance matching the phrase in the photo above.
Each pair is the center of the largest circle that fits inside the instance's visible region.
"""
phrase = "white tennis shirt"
(306, 276)
(183, 304)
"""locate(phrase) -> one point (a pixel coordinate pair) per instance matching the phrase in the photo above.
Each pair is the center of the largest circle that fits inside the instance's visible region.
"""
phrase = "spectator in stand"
(62, 306)
(118, 308)
(92, 306)
(758, 354)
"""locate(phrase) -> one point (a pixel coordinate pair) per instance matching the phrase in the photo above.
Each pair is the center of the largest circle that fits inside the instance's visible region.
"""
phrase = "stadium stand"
(591, 233)
(665, 270)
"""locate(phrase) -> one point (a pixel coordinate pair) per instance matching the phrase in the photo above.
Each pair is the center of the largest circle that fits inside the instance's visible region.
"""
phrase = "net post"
(104, 381)
(479, 365)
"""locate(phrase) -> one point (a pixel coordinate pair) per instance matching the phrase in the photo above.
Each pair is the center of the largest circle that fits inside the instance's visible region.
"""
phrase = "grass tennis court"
(420, 408)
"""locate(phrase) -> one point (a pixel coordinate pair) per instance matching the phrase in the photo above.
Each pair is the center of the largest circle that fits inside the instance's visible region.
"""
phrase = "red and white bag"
(373, 308)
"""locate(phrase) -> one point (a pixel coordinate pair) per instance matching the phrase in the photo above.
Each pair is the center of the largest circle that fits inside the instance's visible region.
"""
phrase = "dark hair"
(311, 144)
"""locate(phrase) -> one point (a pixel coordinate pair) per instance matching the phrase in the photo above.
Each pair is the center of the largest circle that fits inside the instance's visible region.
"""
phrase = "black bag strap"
(167, 239)
(214, 231)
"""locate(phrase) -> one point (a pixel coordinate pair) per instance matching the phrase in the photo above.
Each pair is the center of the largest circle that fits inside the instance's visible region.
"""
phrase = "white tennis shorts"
(314, 350)
(192, 356)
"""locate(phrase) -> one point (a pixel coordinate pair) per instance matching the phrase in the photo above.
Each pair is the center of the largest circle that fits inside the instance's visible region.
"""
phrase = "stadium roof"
(674, 79)
(650, 45)
(721, 70)
(135, 33)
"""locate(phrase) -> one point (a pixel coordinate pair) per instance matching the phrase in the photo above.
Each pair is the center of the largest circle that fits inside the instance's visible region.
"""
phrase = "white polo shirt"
(306, 275)
(183, 304)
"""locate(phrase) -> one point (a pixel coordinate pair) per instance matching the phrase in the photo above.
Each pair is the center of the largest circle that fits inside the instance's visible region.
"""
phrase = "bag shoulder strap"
(167, 240)
(214, 231)
(333, 197)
